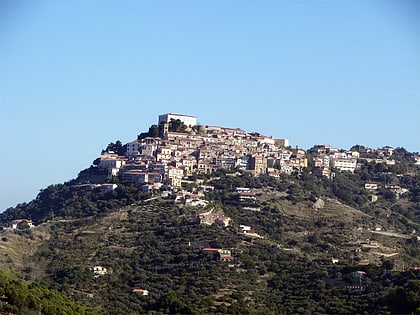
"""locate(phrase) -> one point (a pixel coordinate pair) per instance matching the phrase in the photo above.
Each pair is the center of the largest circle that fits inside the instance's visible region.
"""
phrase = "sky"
(77, 75)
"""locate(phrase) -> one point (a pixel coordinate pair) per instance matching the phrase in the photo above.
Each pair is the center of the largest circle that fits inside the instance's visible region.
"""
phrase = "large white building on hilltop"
(187, 120)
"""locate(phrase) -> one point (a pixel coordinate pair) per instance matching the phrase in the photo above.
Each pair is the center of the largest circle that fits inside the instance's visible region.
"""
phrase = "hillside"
(19, 297)
(133, 235)
(158, 246)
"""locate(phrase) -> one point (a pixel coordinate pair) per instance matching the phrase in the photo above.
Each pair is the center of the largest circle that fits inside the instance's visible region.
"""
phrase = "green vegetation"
(154, 131)
(116, 147)
(152, 246)
(74, 201)
(19, 297)
(174, 125)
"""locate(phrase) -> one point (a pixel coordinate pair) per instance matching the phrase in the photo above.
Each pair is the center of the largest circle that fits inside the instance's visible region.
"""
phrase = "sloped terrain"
(300, 245)
(158, 246)
(19, 246)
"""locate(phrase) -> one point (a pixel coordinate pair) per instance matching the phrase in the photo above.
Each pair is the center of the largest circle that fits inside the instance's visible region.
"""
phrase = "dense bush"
(74, 201)
(19, 297)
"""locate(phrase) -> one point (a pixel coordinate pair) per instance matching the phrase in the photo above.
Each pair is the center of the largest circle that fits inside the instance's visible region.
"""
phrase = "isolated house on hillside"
(247, 196)
(319, 204)
(109, 187)
(19, 223)
(219, 253)
(371, 185)
(99, 271)
(141, 292)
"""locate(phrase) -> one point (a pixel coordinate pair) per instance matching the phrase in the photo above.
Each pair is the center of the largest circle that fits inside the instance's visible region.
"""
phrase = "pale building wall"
(187, 120)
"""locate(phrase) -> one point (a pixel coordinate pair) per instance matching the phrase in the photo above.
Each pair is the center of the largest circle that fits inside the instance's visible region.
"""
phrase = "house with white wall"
(371, 185)
(133, 148)
(347, 164)
(189, 121)
(99, 271)
(15, 224)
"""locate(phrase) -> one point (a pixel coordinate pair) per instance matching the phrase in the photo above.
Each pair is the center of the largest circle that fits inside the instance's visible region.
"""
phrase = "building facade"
(187, 120)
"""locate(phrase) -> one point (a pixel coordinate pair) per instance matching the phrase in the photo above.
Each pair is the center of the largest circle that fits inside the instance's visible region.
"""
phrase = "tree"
(176, 125)
(403, 156)
(154, 131)
(97, 161)
(116, 147)
(388, 195)
(23, 225)
(359, 148)
(387, 264)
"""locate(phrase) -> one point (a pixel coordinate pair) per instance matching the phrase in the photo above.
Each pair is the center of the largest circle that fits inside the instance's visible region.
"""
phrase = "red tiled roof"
(210, 249)
(138, 290)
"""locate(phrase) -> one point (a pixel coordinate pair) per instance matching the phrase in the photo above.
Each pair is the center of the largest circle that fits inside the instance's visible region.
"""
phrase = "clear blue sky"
(76, 75)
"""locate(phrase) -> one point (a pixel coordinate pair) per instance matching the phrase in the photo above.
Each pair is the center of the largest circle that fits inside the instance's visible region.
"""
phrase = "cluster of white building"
(327, 157)
(155, 161)
(175, 156)
(206, 149)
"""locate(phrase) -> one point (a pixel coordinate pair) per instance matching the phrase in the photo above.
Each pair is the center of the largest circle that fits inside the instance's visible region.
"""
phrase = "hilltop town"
(174, 156)
(206, 219)
(199, 150)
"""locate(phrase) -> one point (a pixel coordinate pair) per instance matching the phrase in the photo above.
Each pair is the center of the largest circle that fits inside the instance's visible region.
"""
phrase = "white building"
(371, 186)
(141, 291)
(111, 160)
(187, 120)
(245, 228)
(99, 271)
(109, 187)
(133, 148)
(345, 164)
(175, 175)
(16, 223)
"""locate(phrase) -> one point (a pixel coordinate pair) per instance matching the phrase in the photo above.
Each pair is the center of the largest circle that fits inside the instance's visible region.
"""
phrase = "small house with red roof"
(141, 292)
